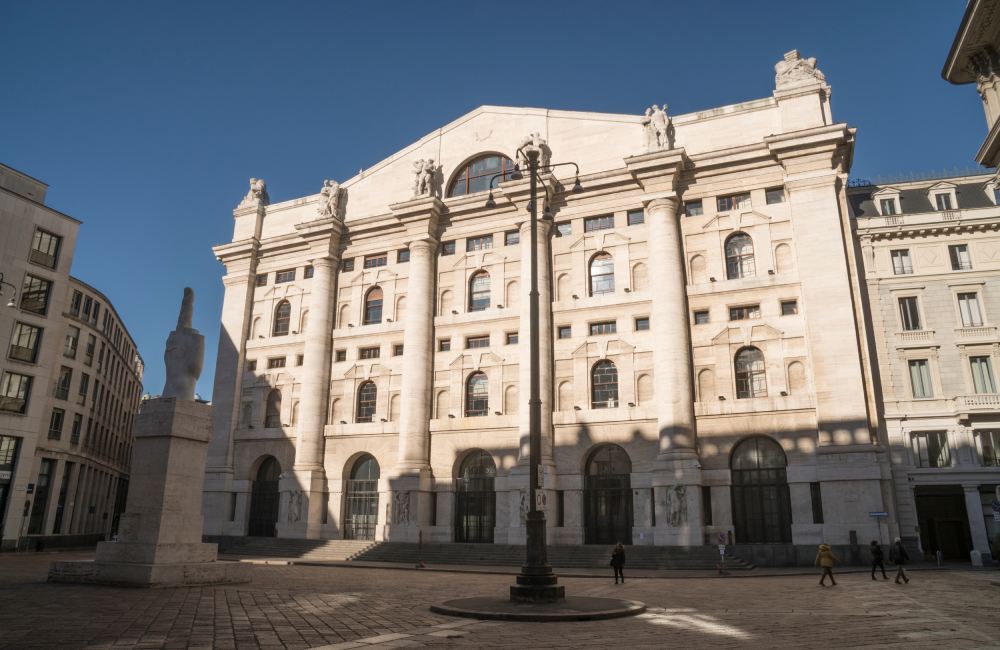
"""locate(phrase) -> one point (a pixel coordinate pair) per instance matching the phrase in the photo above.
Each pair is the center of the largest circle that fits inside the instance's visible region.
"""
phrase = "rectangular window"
(63, 382)
(888, 207)
(276, 362)
(920, 378)
(448, 248)
(982, 375)
(56, 424)
(635, 217)
(968, 306)
(402, 256)
(693, 208)
(604, 327)
(288, 275)
(340, 355)
(24, 343)
(744, 313)
(15, 390)
(512, 238)
(774, 195)
(88, 352)
(251, 365)
(701, 317)
(97, 311)
(560, 507)
(299, 359)
(477, 342)
(930, 449)
(397, 350)
(36, 522)
(444, 345)
(478, 243)
(901, 264)
(989, 447)
(262, 279)
(642, 324)
(369, 353)
(817, 502)
(347, 265)
(733, 202)
(75, 302)
(789, 307)
(308, 272)
(375, 261)
(511, 338)
(564, 332)
(909, 314)
(88, 304)
(84, 387)
(960, 258)
(942, 201)
(72, 342)
(74, 435)
(564, 229)
(706, 505)
(45, 248)
(603, 222)
(35, 295)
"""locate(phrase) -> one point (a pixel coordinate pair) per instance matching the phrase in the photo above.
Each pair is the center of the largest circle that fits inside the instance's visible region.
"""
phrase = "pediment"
(602, 349)
(476, 360)
(366, 371)
(941, 185)
(886, 191)
(764, 332)
(737, 220)
(599, 240)
(478, 260)
(373, 277)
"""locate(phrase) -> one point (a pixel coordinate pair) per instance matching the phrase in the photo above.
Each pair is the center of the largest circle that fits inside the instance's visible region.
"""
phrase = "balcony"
(915, 337)
(980, 401)
(945, 218)
(22, 353)
(976, 333)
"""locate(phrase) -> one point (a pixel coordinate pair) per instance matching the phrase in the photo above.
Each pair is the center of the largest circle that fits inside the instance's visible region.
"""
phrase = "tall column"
(544, 334)
(977, 525)
(418, 347)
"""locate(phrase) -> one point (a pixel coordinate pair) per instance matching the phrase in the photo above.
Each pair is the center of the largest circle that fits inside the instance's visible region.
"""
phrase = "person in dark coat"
(878, 560)
(899, 557)
(618, 562)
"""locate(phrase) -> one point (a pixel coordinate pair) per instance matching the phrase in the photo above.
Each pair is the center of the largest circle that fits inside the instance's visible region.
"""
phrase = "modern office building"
(70, 381)
(704, 363)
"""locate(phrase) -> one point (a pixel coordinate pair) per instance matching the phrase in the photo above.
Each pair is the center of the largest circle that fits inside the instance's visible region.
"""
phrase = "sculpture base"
(537, 585)
(124, 574)
(574, 608)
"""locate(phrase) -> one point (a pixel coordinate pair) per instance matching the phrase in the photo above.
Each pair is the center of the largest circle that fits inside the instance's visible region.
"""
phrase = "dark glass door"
(608, 505)
(361, 509)
(264, 500)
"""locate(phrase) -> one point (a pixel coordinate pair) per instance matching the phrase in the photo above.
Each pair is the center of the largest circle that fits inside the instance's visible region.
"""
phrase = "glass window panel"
(982, 375)
(751, 380)
(739, 256)
(602, 274)
(968, 305)
(909, 314)
(920, 378)
(366, 402)
(477, 396)
(604, 385)
(901, 264)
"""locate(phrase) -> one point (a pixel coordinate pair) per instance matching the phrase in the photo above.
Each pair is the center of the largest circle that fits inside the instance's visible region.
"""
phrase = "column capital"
(544, 226)
(419, 216)
(970, 487)
(322, 236)
(657, 171)
(423, 245)
(668, 201)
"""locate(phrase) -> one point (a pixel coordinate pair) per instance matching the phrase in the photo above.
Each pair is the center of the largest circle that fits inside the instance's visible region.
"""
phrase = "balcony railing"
(977, 332)
(22, 353)
(981, 400)
(915, 336)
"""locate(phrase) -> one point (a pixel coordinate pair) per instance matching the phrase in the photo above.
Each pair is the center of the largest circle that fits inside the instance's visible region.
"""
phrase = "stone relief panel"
(677, 512)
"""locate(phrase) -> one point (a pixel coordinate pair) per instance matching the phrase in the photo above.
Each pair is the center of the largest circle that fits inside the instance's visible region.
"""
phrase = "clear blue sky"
(146, 119)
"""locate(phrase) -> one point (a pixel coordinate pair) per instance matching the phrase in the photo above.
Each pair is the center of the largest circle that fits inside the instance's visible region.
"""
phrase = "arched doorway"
(762, 511)
(361, 503)
(264, 499)
(475, 499)
(608, 497)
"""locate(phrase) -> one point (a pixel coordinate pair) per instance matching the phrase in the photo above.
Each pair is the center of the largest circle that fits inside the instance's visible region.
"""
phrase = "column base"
(410, 507)
(302, 499)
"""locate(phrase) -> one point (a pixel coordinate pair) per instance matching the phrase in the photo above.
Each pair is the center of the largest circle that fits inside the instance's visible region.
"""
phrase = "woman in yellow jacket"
(825, 558)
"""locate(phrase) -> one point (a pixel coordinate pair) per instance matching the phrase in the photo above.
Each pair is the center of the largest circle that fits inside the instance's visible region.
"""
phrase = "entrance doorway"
(607, 497)
(361, 502)
(264, 499)
(475, 499)
(943, 521)
(762, 511)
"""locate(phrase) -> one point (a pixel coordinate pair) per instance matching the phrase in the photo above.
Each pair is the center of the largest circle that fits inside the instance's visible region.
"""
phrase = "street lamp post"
(13, 299)
(536, 583)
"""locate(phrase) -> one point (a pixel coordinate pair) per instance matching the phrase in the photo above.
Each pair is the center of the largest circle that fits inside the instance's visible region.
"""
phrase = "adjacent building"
(705, 368)
(70, 381)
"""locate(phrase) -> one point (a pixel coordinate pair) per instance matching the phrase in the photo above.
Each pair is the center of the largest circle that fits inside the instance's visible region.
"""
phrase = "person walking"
(878, 560)
(618, 562)
(899, 557)
(825, 558)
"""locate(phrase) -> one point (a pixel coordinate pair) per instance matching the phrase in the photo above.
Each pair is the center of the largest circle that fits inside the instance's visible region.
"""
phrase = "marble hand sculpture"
(185, 353)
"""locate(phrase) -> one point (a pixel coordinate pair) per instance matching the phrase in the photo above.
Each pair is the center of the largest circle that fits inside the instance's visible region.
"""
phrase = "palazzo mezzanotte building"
(704, 360)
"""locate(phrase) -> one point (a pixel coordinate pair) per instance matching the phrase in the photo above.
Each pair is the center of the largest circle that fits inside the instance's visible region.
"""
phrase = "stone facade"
(698, 294)
(930, 255)
(70, 382)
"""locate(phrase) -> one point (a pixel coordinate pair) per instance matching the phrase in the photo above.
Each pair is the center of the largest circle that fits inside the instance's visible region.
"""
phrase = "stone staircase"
(698, 558)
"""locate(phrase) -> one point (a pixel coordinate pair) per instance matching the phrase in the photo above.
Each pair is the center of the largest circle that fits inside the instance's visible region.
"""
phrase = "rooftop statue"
(256, 195)
(329, 200)
(535, 142)
(659, 129)
(793, 71)
(425, 174)
(185, 353)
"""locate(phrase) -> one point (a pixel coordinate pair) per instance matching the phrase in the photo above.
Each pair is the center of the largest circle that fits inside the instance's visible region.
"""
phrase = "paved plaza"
(346, 607)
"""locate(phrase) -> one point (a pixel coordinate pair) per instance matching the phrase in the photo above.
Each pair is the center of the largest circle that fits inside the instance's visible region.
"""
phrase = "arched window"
(477, 398)
(761, 505)
(264, 499)
(751, 380)
(604, 385)
(476, 174)
(602, 274)
(366, 402)
(361, 500)
(739, 256)
(608, 496)
(282, 316)
(272, 414)
(373, 306)
(479, 291)
(475, 499)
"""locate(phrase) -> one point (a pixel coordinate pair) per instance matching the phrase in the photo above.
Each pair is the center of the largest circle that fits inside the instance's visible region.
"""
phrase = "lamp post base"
(537, 585)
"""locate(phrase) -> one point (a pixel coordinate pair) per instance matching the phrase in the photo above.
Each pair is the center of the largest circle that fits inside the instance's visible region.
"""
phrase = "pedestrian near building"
(825, 558)
(618, 562)
(899, 557)
(878, 560)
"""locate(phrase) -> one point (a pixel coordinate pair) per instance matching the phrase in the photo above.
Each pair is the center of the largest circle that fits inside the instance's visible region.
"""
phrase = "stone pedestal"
(160, 534)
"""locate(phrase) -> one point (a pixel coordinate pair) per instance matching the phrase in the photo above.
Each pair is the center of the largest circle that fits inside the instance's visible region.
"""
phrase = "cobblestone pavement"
(335, 608)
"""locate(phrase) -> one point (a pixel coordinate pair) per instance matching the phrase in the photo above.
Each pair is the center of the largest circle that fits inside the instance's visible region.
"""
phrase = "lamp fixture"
(576, 408)
(383, 420)
(490, 203)
(784, 393)
(631, 403)
(499, 306)
(712, 279)
(496, 412)
(343, 421)
(627, 290)
(515, 174)
(722, 398)
(13, 299)
(451, 415)
(770, 271)
(388, 320)
(454, 311)
(577, 188)
(350, 324)
(576, 297)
